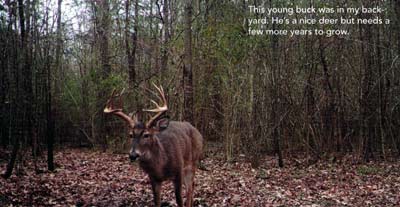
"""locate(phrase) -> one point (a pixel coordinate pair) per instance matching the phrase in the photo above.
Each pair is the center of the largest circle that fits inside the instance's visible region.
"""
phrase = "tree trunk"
(368, 97)
(397, 9)
(11, 163)
(131, 52)
(104, 33)
(276, 108)
(257, 119)
(328, 110)
(164, 48)
(27, 74)
(49, 108)
(19, 104)
(187, 66)
(4, 87)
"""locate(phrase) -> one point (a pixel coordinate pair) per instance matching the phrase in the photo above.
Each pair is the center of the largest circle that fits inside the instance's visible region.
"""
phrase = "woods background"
(311, 96)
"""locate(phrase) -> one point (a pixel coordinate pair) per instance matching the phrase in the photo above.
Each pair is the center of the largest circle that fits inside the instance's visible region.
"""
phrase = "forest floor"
(92, 178)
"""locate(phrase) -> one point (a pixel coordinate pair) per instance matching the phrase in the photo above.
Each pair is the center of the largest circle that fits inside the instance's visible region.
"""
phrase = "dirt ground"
(93, 178)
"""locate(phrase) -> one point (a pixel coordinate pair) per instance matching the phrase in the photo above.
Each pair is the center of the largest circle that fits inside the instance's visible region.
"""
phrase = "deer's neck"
(154, 162)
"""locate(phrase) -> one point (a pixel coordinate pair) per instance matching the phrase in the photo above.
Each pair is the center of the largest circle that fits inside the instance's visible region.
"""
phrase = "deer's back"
(182, 142)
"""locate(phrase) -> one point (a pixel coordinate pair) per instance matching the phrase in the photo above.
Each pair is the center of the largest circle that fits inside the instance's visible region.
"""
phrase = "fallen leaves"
(90, 178)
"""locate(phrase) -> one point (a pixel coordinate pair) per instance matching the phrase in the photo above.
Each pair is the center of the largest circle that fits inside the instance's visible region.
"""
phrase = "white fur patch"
(138, 152)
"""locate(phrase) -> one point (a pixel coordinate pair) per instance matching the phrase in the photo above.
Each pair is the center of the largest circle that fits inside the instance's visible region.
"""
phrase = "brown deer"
(166, 150)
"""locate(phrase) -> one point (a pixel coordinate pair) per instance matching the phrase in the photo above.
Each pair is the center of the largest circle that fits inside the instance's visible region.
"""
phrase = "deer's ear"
(162, 124)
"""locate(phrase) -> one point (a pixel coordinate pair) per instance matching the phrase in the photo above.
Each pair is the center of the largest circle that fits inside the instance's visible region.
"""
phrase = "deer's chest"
(159, 171)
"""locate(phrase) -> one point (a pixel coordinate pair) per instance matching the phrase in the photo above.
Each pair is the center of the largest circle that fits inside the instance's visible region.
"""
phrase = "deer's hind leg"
(189, 184)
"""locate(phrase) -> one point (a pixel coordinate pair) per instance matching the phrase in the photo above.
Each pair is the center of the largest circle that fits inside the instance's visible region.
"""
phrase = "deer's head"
(143, 135)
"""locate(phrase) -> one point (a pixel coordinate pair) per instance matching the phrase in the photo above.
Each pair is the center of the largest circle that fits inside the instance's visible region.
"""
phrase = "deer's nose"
(133, 156)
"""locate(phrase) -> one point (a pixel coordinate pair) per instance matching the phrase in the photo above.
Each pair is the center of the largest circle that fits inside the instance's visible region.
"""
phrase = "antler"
(109, 109)
(160, 110)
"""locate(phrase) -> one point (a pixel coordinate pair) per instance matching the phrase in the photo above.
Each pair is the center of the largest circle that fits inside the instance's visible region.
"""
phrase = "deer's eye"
(146, 135)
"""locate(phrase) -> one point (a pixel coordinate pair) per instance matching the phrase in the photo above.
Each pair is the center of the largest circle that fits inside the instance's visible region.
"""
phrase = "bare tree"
(103, 35)
(50, 109)
(165, 36)
(131, 50)
(187, 66)
(22, 109)
(277, 113)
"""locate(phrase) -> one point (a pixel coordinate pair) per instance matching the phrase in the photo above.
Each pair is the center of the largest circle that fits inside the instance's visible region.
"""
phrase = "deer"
(166, 150)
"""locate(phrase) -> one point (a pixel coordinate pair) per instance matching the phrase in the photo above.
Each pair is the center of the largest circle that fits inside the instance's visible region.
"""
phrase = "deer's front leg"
(178, 190)
(156, 187)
